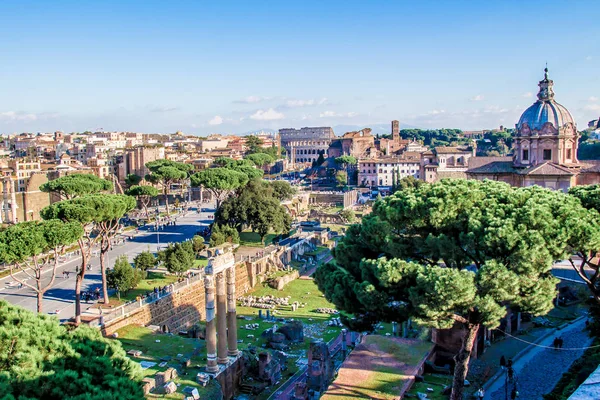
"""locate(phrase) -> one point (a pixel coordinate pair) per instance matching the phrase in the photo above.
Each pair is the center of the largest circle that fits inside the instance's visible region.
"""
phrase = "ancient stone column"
(231, 314)
(221, 319)
(211, 333)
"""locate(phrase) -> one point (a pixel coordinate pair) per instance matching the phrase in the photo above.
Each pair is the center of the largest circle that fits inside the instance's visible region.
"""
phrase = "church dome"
(545, 109)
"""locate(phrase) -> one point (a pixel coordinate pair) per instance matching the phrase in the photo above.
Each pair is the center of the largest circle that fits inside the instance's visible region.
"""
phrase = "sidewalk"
(539, 367)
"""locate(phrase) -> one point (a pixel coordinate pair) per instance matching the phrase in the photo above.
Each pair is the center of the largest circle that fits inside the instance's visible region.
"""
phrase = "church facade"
(544, 149)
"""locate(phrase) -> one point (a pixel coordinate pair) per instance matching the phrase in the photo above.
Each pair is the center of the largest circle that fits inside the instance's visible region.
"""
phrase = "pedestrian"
(20, 285)
(480, 394)
(514, 394)
(560, 342)
(555, 343)
(503, 362)
(511, 373)
(67, 273)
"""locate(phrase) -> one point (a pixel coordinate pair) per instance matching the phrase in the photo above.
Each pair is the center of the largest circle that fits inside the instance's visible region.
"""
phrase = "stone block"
(148, 384)
(171, 373)
(293, 331)
(169, 388)
(160, 378)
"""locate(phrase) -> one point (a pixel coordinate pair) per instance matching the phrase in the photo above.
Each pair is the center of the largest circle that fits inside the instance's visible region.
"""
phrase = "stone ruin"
(293, 331)
(320, 367)
(278, 338)
(269, 369)
(162, 381)
(300, 391)
(264, 302)
(325, 310)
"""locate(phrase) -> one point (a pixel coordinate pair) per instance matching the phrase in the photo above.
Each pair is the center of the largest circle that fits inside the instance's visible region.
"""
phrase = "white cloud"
(592, 107)
(17, 116)
(330, 114)
(479, 97)
(435, 112)
(163, 109)
(216, 120)
(267, 115)
(527, 95)
(593, 99)
(252, 100)
(588, 58)
(299, 103)
(295, 103)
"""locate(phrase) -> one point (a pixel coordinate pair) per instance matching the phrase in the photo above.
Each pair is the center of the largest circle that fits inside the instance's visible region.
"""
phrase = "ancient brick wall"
(179, 311)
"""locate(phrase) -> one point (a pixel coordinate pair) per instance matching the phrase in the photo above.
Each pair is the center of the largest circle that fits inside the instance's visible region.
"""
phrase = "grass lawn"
(378, 368)
(317, 251)
(315, 324)
(153, 280)
(335, 227)
(301, 290)
(435, 382)
(134, 337)
(252, 239)
(203, 262)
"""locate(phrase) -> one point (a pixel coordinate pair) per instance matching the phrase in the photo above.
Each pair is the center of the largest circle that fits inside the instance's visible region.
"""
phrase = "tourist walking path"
(539, 370)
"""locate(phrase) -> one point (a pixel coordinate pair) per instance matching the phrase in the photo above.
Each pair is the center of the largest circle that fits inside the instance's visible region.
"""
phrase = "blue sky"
(233, 67)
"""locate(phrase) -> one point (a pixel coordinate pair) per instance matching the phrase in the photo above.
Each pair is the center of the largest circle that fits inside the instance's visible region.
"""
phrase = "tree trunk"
(145, 205)
(40, 297)
(40, 292)
(79, 281)
(166, 192)
(104, 246)
(462, 361)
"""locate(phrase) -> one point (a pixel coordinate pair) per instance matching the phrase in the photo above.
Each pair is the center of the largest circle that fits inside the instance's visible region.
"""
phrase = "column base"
(233, 353)
(211, 364)
(222, 360)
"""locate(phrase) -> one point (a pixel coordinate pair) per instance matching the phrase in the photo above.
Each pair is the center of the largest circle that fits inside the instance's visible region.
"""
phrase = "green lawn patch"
(201, 263)
(135, 337)
(154, 279)
(435, 382)
(252, 239)
(378, 368)
(319, 250)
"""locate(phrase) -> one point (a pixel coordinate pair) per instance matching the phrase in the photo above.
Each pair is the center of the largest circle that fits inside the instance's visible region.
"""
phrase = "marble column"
(221, 319)
(231, 314)
(211, 333)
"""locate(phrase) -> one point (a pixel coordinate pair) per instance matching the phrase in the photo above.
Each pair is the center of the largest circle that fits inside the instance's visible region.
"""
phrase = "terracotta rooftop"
(452, 150)
(547, 168)
(494, 167)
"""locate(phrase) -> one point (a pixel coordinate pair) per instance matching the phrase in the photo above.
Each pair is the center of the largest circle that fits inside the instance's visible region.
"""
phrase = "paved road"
(564, 269)
(539, 370)
(61, 296)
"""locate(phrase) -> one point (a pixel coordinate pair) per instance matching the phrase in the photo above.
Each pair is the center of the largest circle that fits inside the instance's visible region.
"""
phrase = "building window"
(568, 154)
(547, 154)
(381, 181)
(526, 154)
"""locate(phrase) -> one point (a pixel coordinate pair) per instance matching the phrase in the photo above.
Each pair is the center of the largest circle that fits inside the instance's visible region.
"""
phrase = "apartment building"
(384, 172)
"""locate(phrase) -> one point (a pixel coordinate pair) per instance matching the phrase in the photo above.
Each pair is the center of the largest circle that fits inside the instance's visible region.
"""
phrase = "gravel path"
(540, 374)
